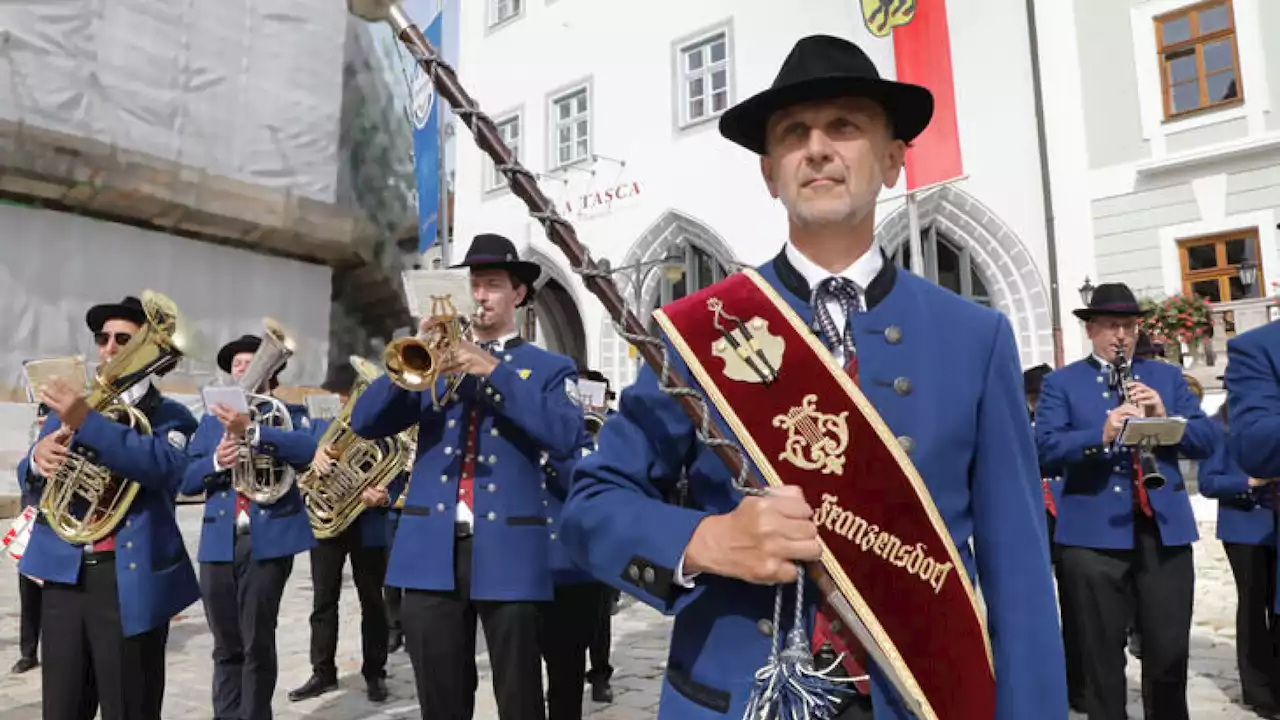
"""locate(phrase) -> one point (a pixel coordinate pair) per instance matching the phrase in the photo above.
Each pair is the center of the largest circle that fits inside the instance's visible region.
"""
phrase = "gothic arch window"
(946, 263)
(700, 269)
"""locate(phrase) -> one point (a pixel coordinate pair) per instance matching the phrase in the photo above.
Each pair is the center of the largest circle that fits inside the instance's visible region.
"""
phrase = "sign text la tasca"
(601, 200)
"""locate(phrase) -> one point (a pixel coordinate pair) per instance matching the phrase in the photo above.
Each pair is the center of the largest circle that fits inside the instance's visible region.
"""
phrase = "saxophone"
(333, 499)
(257, 476)
(84, 501)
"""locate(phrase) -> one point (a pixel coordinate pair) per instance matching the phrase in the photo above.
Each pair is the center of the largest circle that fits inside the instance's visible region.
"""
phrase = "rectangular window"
(501, 11)
(704, 78)
(1211, 266)
(509, 131)
(571, 126)
(1199, 62)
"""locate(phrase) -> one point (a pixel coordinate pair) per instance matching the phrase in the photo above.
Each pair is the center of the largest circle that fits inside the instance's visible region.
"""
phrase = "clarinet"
(1148, 472)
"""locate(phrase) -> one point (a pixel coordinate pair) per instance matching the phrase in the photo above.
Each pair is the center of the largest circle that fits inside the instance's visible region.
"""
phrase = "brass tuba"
(417, 363)
(259, 477)
(84, 501)
(333, 499)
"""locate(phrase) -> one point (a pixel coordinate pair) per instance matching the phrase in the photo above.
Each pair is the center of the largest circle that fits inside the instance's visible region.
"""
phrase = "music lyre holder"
(1147, 434)
(524, 185)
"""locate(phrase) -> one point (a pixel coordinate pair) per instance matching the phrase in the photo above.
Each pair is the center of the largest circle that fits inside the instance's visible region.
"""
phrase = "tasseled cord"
(789, 687)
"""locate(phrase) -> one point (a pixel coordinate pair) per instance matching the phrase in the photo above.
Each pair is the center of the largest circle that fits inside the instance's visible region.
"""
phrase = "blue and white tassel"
(789, 687)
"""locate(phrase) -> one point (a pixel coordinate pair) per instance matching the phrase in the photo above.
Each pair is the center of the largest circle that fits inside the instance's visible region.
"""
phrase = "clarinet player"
(1121, 542)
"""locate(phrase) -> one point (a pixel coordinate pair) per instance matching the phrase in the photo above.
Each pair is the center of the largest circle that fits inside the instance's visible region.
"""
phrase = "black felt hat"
(1147, 348)
(242, 344)
(489, 250)
(822, 67)
(129, 309)
(1111, 299)
(1033, 378)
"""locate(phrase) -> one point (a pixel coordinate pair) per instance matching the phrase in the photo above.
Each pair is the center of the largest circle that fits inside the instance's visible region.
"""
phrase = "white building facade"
(1164, 148)
(614, 106)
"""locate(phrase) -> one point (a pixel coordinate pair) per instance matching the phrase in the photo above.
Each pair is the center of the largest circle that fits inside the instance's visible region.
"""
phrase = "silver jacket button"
(893, 335)
(765, 627)
(902, 386)
(907, 443)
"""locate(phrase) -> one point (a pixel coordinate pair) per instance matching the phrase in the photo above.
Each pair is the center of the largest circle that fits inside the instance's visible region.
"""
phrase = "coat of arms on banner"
(424, 97)
(882, 16)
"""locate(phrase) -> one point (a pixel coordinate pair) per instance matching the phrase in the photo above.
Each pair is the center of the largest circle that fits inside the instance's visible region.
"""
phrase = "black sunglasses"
(122, 338)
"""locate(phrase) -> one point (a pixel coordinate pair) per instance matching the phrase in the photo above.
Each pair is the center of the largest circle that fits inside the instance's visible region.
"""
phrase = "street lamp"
(1086, 291)
(1248, 271)
(638, 273)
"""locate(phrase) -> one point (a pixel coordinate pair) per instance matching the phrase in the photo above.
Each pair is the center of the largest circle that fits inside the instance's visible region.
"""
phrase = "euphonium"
(1148, 472)
(83, 501)
(333, 498)
(417, 363)
(257, 476)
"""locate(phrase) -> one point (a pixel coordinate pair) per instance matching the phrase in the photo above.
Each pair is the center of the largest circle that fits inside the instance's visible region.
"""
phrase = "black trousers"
(567, 626)
(368, 569)
(1104, 588)
(440, 635)
(1070, 626)
(1257, 629)
(29, 629)
(242, 603)
(88, 662)
(392, 595)
(602, 639)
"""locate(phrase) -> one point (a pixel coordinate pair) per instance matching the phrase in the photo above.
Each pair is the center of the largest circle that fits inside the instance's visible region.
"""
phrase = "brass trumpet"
(417, 363)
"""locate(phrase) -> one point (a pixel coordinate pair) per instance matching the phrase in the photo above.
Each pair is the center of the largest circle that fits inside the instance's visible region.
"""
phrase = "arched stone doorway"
(696, 256)
(553, 321)
(970, 251)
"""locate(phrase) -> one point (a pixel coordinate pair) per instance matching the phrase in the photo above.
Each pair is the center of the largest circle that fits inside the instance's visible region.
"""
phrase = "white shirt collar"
(135, 393)
(500, 344)
(861, 272)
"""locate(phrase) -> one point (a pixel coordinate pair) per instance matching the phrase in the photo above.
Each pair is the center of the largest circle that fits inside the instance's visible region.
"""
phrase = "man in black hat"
(365, 541)
(830, 135)
(107, 605)
(1121, 541)
(246, 548)
(600, 672)
(472, 537)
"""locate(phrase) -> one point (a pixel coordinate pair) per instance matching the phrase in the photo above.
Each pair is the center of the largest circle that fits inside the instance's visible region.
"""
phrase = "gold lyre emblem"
(749, 351)
(442, 307)
(815, 440)
(882, 16)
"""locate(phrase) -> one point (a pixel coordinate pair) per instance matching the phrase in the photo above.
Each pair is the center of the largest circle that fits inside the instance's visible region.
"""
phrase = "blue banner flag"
(426, 146)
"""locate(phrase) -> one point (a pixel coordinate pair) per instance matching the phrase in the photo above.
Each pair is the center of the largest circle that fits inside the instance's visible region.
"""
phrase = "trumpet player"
(106, 605)
(247, 547)
(472, 538)
(365, 542)
(1123, 543)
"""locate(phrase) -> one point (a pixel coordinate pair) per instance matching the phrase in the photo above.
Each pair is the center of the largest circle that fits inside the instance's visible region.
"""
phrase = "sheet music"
(435, 292)
(591, 393)
(42, 372)
(323, 406)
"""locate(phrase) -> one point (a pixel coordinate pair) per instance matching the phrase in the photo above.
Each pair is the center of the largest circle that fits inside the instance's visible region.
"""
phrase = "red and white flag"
(922, 56)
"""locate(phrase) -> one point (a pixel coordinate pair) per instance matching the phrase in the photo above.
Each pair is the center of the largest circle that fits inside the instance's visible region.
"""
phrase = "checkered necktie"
(845, 292)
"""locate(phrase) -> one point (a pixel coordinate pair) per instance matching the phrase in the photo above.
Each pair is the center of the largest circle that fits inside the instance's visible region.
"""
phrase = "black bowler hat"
(129, 309)
(242, 344)
(821, 67)
(1111, 299)
(1033, 378)
(489, 250)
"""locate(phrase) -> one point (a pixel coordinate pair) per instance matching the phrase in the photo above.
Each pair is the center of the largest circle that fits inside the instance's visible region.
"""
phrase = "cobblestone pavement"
(639, 651)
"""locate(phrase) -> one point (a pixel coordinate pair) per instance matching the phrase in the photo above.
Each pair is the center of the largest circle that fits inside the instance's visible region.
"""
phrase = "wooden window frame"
(1197, 42)
(1223, 272)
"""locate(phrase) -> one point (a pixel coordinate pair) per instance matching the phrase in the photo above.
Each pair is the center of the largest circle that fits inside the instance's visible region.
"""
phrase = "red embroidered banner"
(799, 416)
